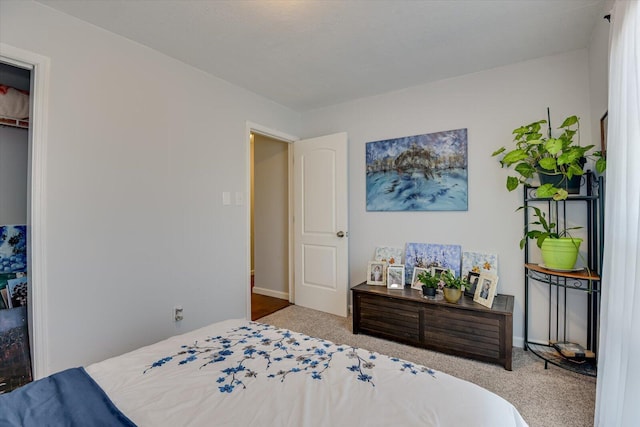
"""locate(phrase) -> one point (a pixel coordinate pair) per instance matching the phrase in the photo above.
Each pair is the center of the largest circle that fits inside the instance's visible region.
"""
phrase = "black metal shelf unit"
(563, 284)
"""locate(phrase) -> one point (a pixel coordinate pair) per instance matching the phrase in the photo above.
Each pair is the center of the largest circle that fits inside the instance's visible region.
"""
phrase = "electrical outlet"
(177, 313)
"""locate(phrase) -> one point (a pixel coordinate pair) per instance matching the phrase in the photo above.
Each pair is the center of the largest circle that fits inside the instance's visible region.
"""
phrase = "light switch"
(239, 198)
(226, 198)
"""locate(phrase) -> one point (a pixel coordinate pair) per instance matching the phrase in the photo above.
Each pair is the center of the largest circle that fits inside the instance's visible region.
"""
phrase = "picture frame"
(17, 292)
(472, 282)
(13, 248)
(420, 159)
(427, 255)
(604, 127)
(395, 276)
(479, 262)
(437, 271)
(376, 273)
(415, 283)
(486, 289)
(15, 361)
(388, 254)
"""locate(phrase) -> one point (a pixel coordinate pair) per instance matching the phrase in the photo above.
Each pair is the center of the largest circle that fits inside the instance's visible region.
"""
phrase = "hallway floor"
(261, 305)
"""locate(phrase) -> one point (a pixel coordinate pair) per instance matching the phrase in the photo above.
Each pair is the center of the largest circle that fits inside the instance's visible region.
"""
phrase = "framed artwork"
(4, 298)
(376, 273)
(17, 292)
(479, 262)
(415, 283)
(486, 289)
(13, 248)
(389, 255)
(425, 172)
(15, 360)
(427, 255)
(604, 127)
(472, 282)
(395, 276)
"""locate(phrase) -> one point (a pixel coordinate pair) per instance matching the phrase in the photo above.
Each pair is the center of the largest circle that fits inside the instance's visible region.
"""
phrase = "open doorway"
(38, 67)
(269, 207)
(15, 353)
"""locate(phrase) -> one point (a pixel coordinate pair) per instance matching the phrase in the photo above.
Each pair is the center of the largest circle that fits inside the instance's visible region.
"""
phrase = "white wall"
(140, 149)
(14, 148)
(271, 251)
(490, 105)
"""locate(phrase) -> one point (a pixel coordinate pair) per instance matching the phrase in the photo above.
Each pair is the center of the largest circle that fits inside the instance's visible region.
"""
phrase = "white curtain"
(618, 383)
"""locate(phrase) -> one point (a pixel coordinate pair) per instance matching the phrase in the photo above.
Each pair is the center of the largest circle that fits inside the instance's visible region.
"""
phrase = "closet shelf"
(17, 123)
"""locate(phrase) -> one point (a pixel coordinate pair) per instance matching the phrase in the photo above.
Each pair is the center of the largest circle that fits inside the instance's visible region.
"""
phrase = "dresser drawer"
(463, 332)
(393, 319)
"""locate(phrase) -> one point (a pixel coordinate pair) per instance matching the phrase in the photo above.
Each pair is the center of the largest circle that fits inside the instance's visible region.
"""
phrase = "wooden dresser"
(464, 329)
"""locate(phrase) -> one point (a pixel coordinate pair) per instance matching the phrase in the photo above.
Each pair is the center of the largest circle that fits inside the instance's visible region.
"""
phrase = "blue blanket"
(68, 398)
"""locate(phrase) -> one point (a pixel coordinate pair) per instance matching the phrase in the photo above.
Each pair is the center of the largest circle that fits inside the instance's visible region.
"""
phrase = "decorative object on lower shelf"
(573, 351)
(549, 354)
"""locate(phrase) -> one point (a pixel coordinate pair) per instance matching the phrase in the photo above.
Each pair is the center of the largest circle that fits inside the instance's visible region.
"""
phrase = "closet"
(15, 358)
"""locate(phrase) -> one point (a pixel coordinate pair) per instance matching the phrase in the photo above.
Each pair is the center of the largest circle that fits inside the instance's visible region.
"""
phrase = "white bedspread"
(240, 373)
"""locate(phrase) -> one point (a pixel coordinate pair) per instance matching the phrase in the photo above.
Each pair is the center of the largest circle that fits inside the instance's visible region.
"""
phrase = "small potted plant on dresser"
(429, 282)
(453, 286)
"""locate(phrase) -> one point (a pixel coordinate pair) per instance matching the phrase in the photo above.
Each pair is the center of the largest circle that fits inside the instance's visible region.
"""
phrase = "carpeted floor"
(545, 397)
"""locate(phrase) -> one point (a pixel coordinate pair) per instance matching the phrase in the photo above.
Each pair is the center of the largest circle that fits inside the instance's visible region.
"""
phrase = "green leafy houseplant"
(547, 229)
(430, 283)
(428, 280)
(535, 154)
(451, 281)
(559, 249)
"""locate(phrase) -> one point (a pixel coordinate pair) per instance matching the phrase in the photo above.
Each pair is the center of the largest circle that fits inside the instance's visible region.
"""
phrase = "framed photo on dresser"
(376, 273)
(486, 289)
(395, 277)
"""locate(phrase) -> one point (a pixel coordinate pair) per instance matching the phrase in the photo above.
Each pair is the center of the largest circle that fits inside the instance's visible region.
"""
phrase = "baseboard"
(271, 293)
(518, 342)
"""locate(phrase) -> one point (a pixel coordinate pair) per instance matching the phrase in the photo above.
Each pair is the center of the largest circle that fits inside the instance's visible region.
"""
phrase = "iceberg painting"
(418, 173)
(13, 248)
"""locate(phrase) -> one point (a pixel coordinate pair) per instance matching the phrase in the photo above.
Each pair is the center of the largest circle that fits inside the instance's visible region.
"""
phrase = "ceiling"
(310, 54)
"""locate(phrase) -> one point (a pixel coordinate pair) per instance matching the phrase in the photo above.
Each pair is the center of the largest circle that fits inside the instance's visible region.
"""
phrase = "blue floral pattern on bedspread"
(278, 353)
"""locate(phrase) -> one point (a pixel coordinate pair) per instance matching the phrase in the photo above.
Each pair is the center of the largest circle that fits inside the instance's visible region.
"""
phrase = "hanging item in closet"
(14, 106)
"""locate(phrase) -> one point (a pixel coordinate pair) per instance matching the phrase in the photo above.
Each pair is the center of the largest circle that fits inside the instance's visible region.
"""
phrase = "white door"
(320, 223)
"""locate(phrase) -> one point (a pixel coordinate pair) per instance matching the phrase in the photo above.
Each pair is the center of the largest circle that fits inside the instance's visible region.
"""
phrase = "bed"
(240, 373)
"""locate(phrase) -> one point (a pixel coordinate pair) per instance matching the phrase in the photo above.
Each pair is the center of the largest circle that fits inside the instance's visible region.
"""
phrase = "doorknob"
(340, 234)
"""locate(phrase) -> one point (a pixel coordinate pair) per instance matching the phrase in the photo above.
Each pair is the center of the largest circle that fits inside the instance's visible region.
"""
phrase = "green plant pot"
(560, 254)
(452, 295)
(560, 181)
